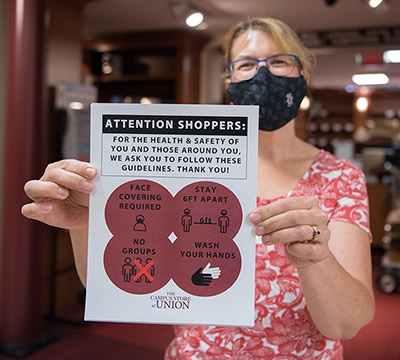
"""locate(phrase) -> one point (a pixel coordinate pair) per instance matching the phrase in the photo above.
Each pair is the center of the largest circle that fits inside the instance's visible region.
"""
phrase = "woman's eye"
(247, 65)
(278, 62)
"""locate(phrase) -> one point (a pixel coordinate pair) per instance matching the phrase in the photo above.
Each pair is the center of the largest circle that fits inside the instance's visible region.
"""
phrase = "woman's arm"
(334, 270)
(338, 289)
(79, 239)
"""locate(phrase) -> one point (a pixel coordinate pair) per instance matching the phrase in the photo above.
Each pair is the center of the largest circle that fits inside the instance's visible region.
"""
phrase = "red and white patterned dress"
(283, 327)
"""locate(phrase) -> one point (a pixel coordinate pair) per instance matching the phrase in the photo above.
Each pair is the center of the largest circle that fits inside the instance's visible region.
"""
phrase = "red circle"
(136, 259)
(138, 267)
(208, 217)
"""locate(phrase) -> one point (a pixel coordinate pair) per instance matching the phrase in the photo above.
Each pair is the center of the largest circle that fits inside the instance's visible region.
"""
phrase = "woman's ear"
(227, 82)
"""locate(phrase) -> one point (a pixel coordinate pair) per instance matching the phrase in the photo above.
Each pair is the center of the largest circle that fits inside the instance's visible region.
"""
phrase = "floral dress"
(283, 327)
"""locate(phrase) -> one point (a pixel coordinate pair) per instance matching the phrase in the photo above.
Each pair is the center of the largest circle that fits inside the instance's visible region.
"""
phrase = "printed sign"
(169, 235)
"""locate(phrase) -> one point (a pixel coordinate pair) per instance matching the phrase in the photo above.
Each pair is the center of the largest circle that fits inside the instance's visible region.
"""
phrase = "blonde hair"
(283, 36)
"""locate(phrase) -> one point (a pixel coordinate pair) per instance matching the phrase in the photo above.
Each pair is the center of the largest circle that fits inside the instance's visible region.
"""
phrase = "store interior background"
(153, 52)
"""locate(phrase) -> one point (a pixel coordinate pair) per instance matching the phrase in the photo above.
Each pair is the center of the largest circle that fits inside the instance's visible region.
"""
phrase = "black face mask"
(279, 97)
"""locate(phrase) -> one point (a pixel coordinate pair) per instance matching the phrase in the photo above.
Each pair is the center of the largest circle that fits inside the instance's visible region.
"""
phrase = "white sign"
(169, 236)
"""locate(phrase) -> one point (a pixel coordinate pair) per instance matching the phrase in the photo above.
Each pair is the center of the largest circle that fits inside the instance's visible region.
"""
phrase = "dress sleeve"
(352, 202)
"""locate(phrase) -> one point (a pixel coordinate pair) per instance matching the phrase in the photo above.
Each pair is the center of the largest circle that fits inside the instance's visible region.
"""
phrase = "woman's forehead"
(254, 43)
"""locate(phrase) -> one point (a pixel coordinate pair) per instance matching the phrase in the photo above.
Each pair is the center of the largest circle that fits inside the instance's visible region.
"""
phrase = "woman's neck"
(279, 145)
(283, 159)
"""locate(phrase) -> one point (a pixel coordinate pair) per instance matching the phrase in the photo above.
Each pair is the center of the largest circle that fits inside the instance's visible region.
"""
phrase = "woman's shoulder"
(328, 162)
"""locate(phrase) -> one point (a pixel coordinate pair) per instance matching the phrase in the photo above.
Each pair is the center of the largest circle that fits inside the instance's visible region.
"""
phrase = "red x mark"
(143, 270)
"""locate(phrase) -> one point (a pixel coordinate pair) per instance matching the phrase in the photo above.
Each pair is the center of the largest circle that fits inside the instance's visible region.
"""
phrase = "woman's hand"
(299, 224)
(61, 196)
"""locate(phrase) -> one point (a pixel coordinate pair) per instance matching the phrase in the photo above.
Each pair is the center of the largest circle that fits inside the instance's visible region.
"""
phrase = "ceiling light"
(76, 105)
(362, 104)
(370, 79)
(391, 56)
(374, 3)
(194, 18)
(381, 5)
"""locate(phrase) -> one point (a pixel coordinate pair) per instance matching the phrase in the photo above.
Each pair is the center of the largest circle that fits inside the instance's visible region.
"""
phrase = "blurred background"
(58, 56)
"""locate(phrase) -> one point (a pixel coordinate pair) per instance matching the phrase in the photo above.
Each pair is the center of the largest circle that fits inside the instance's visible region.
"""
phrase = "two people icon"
(223, 221)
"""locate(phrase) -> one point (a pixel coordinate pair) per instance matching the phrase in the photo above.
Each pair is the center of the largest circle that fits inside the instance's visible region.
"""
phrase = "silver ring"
(316, 234)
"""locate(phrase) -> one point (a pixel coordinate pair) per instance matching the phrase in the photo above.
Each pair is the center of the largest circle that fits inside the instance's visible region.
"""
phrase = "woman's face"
(255, 44)
(278, 91)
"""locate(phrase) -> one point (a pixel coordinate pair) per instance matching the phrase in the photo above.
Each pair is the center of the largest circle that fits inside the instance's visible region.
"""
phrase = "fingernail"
(259, 230)
(90, 172)
(255, 217)
(266, 239)
(88, 186)
(62, 191)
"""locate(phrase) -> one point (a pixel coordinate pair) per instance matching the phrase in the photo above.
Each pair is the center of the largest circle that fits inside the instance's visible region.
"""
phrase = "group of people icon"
(138, 271)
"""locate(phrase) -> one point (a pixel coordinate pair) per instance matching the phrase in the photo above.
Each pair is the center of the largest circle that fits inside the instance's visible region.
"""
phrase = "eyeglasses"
(279, 65)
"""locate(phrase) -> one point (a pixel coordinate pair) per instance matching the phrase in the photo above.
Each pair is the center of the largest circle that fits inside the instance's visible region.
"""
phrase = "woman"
(313, 273)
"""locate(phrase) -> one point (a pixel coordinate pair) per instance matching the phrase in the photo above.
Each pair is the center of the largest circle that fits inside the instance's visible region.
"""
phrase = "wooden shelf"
(153, 64)
(133, 78)
(330, 109)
